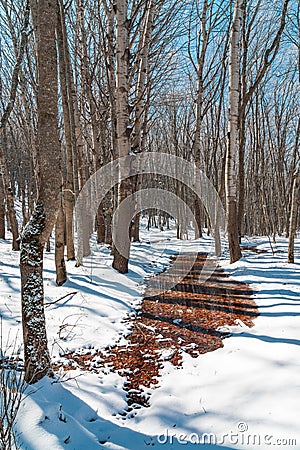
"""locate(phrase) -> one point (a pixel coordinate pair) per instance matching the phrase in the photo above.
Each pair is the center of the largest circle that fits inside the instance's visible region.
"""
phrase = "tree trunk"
(2, 209)
(108, 213)
(233, 136)
(38, 229)
(100, 225)
(17, 67)
(196, 146)
(142, 78)
(69, 193)
(9, 195)
(120, 261)
(61, 272)
(246, 95)
(218, 244)
(293, 217)
(135, 229)
(197, 208)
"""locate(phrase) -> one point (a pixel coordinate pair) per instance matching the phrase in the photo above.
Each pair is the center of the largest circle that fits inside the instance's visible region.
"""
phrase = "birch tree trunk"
(120, 261)
(39, 227)
(233, 136)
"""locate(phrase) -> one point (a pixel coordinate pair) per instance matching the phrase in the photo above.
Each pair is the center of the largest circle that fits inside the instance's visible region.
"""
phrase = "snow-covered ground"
(244, 395)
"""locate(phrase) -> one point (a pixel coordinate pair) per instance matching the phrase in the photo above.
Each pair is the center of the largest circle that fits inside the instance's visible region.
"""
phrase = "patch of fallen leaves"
(188, 318)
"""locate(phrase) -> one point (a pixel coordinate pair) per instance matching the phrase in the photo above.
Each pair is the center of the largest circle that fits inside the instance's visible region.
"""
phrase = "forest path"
(192, 317)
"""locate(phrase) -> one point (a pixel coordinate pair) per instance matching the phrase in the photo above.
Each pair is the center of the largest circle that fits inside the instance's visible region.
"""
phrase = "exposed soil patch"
(189, 318)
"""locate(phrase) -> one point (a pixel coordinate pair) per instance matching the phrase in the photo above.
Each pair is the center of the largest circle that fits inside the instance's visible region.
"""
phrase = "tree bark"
(233, 136)
(100, 225)
(61, 272)
(120, 262)
(38, 229)
(135, 229)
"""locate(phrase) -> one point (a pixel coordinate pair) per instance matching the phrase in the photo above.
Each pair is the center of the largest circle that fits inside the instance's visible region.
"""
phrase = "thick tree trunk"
(39, 227)
(120, 261)
(233, 137)
(293, 217)
(36, 354)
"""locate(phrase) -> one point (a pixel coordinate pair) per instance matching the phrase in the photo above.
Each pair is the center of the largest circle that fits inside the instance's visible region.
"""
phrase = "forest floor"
(105, 339)
(193, 317)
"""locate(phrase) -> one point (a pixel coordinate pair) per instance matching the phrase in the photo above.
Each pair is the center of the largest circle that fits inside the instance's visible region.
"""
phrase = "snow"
(244, 395)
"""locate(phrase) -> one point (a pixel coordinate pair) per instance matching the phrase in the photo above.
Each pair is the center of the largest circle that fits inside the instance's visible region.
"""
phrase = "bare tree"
(71, 183)
(120, 261)
(7, 110)
(249, 88)
(232, 148)
(15, 75)
(293, 216)
(40, 225)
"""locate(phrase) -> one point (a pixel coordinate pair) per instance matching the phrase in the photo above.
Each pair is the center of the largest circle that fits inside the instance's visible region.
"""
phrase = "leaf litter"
(192, 317)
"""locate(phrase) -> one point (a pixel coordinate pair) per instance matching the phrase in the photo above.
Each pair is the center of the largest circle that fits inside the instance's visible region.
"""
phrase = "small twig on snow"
(61, 298)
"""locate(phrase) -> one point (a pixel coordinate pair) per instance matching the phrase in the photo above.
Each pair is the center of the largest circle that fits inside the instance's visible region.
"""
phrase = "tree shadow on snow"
(63, 420)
